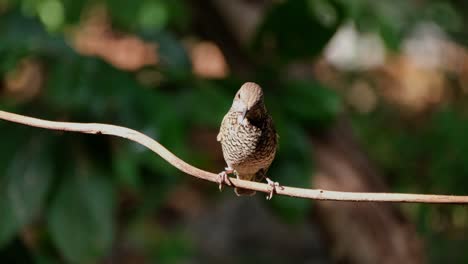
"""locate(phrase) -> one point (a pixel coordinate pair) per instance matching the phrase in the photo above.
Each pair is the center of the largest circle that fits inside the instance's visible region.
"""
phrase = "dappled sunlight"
(208, 60)
(95, 37)
(24, 82)
(366, 101)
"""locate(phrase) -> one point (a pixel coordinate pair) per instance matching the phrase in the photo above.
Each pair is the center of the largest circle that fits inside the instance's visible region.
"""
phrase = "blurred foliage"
(67, 189)
(286, 24)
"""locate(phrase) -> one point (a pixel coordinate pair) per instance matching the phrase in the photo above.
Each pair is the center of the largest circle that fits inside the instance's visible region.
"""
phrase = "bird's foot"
(273, 185)
(223, 177)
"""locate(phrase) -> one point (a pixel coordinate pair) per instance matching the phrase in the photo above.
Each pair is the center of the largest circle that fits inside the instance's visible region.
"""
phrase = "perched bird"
(248, 139)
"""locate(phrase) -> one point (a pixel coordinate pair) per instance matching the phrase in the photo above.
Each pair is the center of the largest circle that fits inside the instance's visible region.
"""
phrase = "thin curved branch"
(96, 128)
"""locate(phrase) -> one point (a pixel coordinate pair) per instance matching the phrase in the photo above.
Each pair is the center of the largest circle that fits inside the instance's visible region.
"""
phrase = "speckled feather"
(249, 146)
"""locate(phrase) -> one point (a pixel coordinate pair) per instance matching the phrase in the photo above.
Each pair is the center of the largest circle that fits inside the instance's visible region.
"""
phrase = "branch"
(316, 194)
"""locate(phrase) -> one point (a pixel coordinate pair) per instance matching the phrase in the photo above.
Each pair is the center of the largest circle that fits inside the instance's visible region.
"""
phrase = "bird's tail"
(244, 192)
(259, 176)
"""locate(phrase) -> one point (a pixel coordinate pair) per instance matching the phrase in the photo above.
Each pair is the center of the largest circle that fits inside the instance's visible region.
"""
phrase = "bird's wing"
(260, 175)
(219, 137)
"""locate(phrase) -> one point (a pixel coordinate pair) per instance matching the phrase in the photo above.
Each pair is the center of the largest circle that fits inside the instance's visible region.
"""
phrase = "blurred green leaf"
(126, 166)
(310, 103)
(447, 134)
(392, 20)
(23, 187)
(29, 173)
(290, 172)
(89, 85)
(173, 58)
(8, 224)
(153, 15)
(123, 14)
(73, 10)
(202, 113)
(297, 29)
(174, 247)
(162, 244)
(293, 166)
(444, 14)
(27, 35)
(65, 88)
(51, 14)
(81, 217)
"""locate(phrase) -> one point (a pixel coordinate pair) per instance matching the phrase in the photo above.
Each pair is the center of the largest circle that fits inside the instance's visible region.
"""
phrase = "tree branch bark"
(315, 194)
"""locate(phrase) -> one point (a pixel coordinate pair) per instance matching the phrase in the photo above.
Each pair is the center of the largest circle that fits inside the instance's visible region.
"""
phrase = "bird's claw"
(273, 185)
(223, 177)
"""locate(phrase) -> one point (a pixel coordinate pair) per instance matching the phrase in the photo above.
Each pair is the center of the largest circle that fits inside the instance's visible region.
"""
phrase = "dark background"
(366, 96)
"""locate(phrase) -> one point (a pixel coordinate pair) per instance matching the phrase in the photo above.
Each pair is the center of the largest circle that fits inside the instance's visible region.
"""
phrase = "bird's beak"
(241, 118)
(244, 113)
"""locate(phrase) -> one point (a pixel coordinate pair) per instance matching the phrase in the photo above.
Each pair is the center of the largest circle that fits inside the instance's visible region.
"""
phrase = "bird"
(248, 139)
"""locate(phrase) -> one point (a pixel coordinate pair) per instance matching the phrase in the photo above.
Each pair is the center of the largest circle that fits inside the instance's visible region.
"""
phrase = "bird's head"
(248, 102)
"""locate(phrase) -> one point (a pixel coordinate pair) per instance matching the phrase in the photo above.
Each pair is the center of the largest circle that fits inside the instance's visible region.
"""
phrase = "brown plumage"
(248, 136)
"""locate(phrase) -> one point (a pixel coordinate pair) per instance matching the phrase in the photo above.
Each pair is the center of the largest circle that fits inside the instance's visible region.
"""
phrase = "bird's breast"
(247, 146)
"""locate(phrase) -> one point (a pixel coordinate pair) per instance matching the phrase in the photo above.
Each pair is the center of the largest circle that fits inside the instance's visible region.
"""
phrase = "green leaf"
(51, 13)
(296, 173)
(8, 225)
(211, 104)
(173, 57)
(80, 217)
(293, 166)
(298, 29)
(123, 14)
(29, 177)
(153, 15)
(125, 165)
(73, 10)
(68, 84)
(27, 34)
(445, 15)
(24, 186)
(158, 243)
(313, 104)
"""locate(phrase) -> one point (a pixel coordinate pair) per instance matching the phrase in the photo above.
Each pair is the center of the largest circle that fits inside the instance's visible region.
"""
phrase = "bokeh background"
(366, 96)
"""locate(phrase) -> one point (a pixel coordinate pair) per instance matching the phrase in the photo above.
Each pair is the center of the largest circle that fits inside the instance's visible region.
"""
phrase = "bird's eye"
(238, 95)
